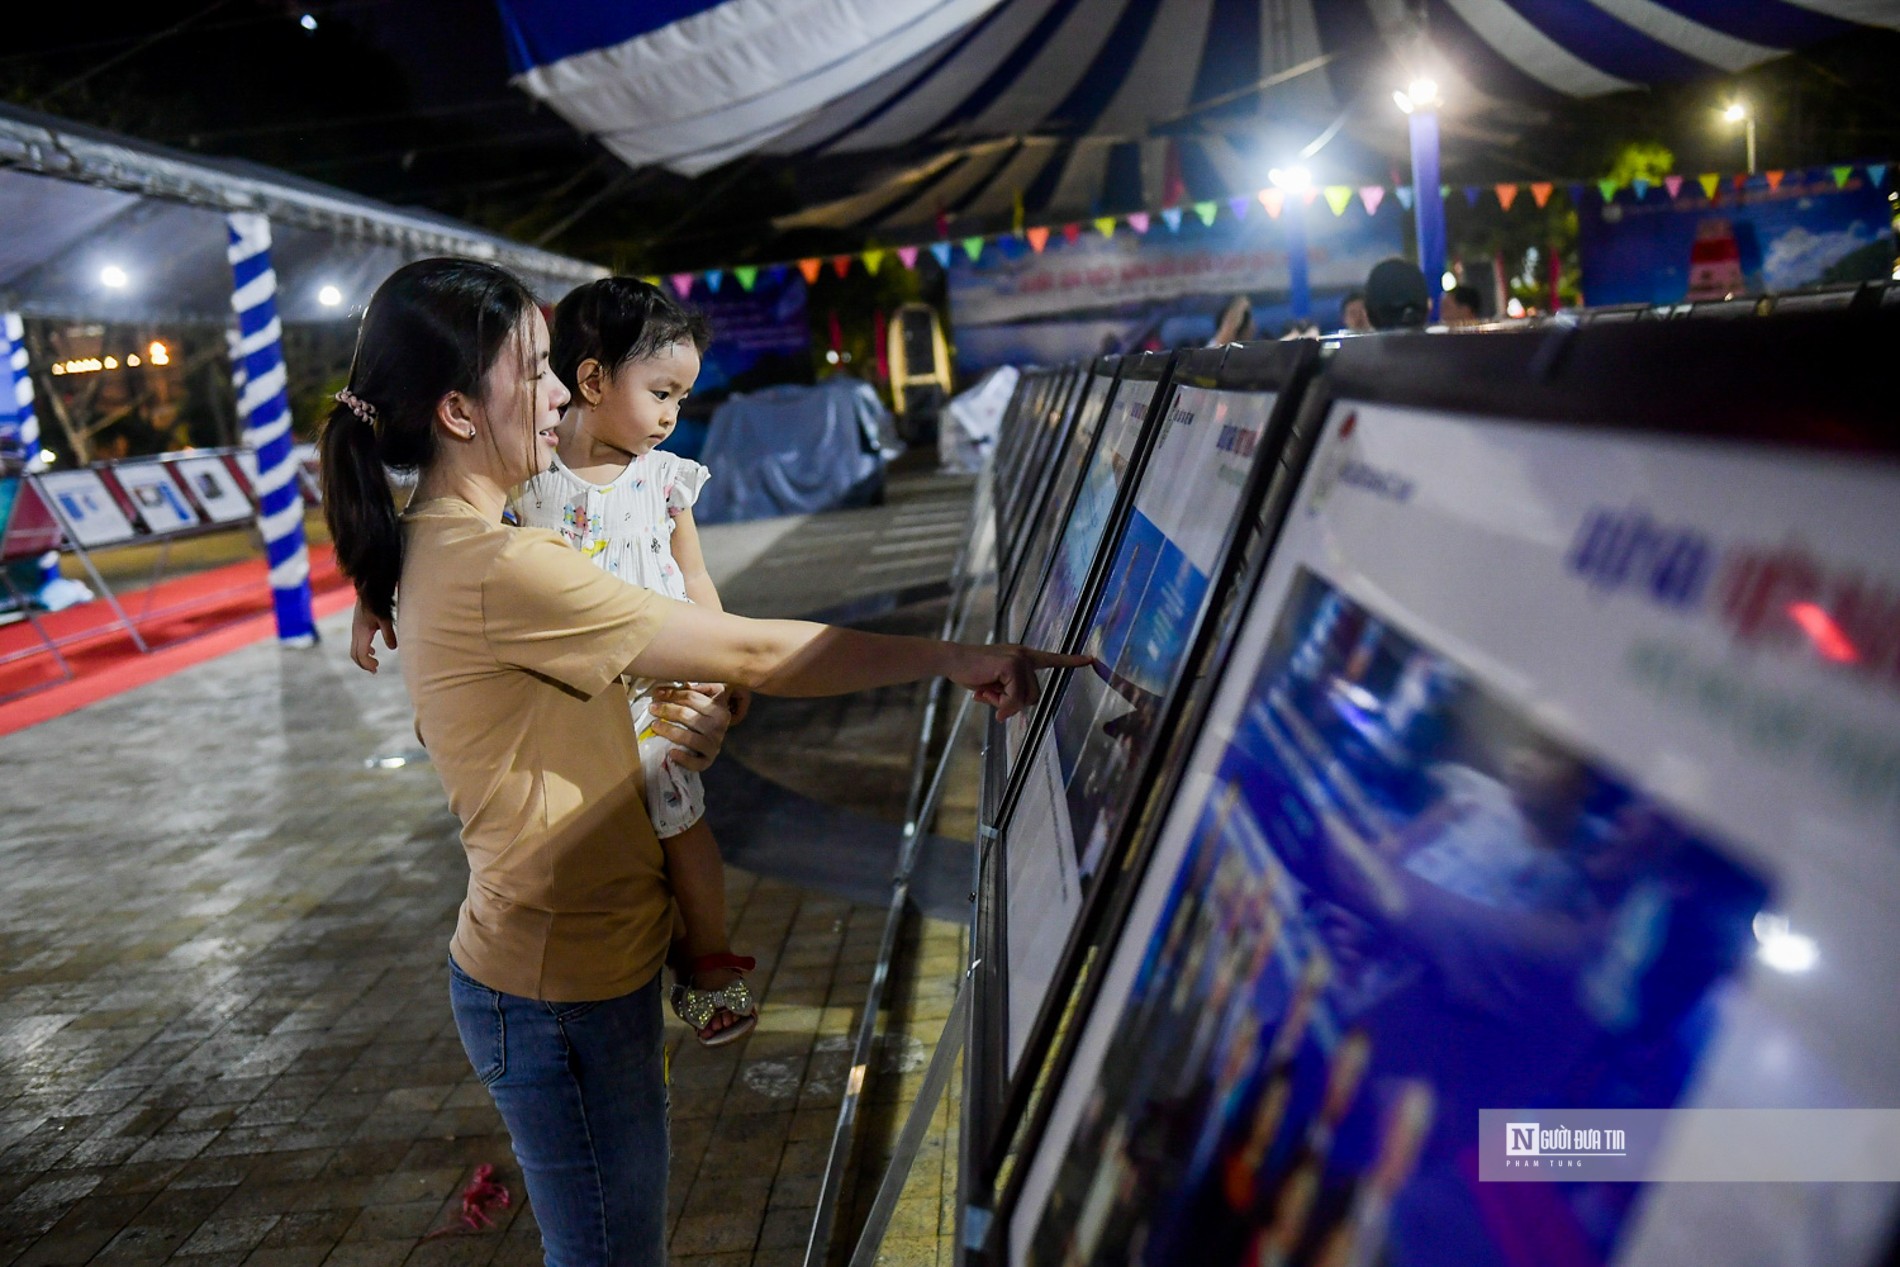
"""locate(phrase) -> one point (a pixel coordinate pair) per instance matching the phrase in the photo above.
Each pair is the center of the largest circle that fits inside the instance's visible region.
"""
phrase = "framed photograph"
(1537, 777)
(212, 485)
(87, 509)
(159, 501)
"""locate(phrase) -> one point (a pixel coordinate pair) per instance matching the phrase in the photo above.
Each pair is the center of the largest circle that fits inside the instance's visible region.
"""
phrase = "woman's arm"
(798, 658)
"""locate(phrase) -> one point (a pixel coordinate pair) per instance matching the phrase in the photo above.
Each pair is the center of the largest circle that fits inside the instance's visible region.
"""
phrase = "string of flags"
(1274, 202)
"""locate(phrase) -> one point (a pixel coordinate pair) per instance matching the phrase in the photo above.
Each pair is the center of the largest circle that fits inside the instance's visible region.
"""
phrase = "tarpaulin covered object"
(794, 450)
(975, 415)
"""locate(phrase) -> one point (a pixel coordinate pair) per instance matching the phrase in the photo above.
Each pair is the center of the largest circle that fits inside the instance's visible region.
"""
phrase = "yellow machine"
(920, 370)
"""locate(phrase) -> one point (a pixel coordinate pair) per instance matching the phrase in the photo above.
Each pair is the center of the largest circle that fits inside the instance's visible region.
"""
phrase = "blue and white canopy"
(965, 106)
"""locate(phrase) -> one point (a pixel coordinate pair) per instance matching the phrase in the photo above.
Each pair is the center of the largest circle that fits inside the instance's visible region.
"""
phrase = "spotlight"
(1780, 947)
(159, 354)
(308, 21)
(1420, 94)
(1450, 279)
(1735, 112)
(329, 296)
(112, 277)
(1292, 179)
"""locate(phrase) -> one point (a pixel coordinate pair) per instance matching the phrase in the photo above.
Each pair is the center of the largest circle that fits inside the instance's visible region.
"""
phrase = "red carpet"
(192, 619)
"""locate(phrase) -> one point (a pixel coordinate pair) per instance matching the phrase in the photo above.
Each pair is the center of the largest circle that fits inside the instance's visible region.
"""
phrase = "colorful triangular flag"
(941, 250)
(1274, 200)
(652, 281)
(810, 269)
(1673, 184)
(1404, 193)
(1840, 176)
(748, 277)
(1171, 216)
(1708, 181)
(1640, 187)
(1238, 205)
(1337, 196)
(1071, 233)
(873, 260)
(1138, 221)
(973, 247)
(1607, 187)
(907, 254)
(1741, 180)
(1307, 195)
(1540, 192)
(1773, 179)
(1372, 196)
(683, 283)
(841, 265)
(1472, 193)
(1105, 225)
(714, 276)
(1038, 237)
(1207, 211)
(1507, 194)
(1877, 174)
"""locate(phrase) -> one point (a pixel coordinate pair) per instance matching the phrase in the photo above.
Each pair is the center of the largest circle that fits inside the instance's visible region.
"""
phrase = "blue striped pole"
(265, 408)
(26, 421)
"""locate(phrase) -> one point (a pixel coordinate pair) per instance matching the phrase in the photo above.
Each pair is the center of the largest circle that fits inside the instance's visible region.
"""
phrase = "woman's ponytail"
(433, 327)
(360, 509)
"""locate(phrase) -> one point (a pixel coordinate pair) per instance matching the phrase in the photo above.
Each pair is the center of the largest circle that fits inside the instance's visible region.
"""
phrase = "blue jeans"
(582, 1088)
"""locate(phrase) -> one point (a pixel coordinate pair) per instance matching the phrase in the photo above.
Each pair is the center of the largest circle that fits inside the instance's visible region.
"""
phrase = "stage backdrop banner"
(1807, 232)
(1161, 289)
(761, 337)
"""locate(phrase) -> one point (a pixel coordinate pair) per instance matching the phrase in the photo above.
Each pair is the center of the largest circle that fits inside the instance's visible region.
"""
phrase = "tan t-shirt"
(512, 648)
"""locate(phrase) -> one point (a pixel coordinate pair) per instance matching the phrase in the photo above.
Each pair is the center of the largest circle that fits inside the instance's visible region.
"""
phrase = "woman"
(514, 647)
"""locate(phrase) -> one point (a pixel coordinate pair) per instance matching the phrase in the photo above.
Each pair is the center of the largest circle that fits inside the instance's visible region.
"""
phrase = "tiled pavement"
(224, 1036)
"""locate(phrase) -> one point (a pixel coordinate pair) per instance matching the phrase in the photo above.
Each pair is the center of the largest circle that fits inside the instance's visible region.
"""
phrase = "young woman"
(514, 647)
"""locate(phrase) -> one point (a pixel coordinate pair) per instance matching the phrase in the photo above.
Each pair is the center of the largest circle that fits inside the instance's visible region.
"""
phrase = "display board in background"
(1805, 232)
(213, 486)
(89, 511)
(1546, 771)
(1049, 428)
(160, 503)
(761, 337)
(1032, 556)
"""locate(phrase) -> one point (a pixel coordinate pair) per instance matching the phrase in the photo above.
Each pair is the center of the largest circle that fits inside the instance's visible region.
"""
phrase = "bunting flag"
(1540, 192)
(1741, 180)
(1774, 179)
(1472, 194)
(1708, 181)
(1673, 184)
(1840, 176)
(1274, 200)
(1372, 196)
(1105, 225)
(1038, 237)
(1404, 193)
(1071, 233)
(841, 265)
(1171, 216)
(1239, 207)
(1607, 188)
(1641, 187)
(908, 255)
(1507, 194)
(1138, 221)
(941, 250)
(748, 276)
(973, 246)
(682, 283)
(1337, 196)
(810, 269)
(1016, 213)
(872, 261)
(1877, 174)
(1307, 195)
(1576, 195)
(1207, 211)
(654, 282)
(713, 277)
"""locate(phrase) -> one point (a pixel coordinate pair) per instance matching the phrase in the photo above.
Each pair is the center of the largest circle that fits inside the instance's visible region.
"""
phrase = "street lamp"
(1737, 112)
(1419, 101)
(1296, 179)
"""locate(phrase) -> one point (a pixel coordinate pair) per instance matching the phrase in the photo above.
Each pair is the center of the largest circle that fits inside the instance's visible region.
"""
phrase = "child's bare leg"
(698, 878)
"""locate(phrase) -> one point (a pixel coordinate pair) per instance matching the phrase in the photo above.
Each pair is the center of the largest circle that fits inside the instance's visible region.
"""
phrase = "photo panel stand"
(1241, 399)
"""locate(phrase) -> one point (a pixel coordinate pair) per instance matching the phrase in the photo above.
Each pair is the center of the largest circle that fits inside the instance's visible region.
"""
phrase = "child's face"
(639, 403)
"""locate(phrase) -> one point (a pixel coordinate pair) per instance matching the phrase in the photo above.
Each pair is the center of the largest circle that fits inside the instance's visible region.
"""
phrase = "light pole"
(1739, 113)
(1419, 101)
(1297, 182)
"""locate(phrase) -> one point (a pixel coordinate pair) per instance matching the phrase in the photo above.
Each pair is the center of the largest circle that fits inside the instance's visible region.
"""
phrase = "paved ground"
(224, 1036)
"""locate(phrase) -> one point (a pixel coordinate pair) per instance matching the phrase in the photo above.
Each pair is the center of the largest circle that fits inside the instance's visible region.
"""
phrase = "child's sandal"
(698, 1007)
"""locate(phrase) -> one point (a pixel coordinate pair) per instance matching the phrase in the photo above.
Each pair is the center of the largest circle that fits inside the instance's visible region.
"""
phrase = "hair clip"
(364, 411)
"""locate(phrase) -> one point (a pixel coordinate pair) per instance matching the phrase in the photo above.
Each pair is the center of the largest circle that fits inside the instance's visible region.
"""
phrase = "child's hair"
(433, 327)
(616, 320)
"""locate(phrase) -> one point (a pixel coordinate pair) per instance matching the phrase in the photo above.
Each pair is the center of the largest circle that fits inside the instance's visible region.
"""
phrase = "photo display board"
(1546, 771)
(91, 513)
(156, 496)
(1025, 432)
(1092, 509)
(1034, 560)
(212, 485)
(1085, 766)
(1047, 429)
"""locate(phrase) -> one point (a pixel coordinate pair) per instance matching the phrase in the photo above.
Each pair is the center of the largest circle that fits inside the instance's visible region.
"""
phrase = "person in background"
(1396, 296)
(1235, 324)
(1461, 306)
(1352, 313)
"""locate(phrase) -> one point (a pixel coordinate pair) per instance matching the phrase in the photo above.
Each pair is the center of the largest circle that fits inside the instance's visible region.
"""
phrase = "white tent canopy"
(77, 200)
